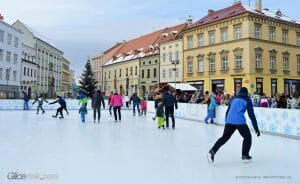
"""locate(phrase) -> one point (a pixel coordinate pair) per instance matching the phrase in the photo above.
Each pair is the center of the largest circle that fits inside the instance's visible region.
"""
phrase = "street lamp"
(175, 63)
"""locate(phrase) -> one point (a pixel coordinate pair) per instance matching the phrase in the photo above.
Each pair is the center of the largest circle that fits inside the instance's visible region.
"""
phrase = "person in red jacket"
(116, 102)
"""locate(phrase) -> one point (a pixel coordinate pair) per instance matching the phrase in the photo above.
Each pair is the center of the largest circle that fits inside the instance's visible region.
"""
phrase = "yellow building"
(239, 46)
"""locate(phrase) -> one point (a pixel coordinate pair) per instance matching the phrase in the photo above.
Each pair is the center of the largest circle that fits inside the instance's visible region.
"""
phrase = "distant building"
(49, 60)
(10, 60)
(66, 82)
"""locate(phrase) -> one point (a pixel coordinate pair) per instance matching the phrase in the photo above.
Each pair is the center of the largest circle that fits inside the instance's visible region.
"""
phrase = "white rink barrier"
(284, 122)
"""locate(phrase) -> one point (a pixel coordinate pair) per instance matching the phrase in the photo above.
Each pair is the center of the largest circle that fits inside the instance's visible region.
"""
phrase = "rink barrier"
(279, 122)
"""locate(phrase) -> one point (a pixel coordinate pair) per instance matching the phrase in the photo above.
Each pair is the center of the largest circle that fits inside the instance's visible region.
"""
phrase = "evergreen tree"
(88, 84)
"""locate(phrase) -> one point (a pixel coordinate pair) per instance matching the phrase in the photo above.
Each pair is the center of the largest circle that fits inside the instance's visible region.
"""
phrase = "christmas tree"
(88, 84)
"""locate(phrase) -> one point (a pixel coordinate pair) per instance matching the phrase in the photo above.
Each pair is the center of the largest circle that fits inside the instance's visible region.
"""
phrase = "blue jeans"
(136, 104)
(26, 107)
(210, 115)
(82, 116)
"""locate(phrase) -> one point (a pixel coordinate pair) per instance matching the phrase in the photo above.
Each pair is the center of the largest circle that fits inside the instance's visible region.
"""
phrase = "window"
(200, 64)
(135, 70)
(126, 72)
(28, 72)
(298, 39)
(211, 38)
(237, 32)
(170, 56)
(238, 62)
(258, 61)
(115, 73)
(200, 40)
(15, 76)
(224, 63)
(7, 74)
(154, 72)
(143, 74)
(16, 42)
(190, 42)
(177, 73)
(272, 34)
(8, 56)
(131, 70)
(224, 35)
(164, 57)
(286, 62)
(120, 72)
(31, 72)
(109, 74)
(272, 62)
(35, 73)
(298, 63)
(1, 71)
(170, 73)
(149, 62)
(258, 31)
(24, 72)
(285, 36)
(212, 64)
(1, 35)
(15, 58)
(9, 39)
(190, 65)
(148, 73)
(176, 55)
(1, 55)
(164, 73)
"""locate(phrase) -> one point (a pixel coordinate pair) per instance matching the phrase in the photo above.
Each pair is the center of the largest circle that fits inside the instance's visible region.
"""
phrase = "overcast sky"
(85, 28)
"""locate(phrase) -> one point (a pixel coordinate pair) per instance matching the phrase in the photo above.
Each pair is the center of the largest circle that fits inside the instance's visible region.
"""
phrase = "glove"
(257, 132)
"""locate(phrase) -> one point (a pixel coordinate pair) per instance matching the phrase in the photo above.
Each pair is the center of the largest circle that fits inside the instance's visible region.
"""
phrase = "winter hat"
(244, 90)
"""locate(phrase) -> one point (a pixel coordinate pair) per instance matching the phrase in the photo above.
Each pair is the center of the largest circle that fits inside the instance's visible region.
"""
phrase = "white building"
(29, 70)
(10, 60)
(49, 60)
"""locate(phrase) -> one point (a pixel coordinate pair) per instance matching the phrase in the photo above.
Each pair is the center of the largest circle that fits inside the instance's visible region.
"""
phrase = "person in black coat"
(97, 99)
(62, 104)
(26, 100)
(169, 103)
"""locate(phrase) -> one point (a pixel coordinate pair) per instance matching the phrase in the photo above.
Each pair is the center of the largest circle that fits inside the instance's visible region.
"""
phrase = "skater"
(83, 99)
(143, 105)
(127, 100)
(26, 100)
(83, 111)
(211, 108)
(235, 119)
(62, 104)
(40, 99)
(135, 103)
(116, 103)
(158, 99)
(169, 103)
(65, 108)
(109, 100)
(160, 115)
(97, 99)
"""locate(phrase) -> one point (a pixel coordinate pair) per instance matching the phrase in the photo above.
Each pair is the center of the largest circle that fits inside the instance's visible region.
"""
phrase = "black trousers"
(127, 104)
(65, 108)
(59, 110)
(40, 107)
(119, 112)
(228, 131)
(169, 111)
(110, 107)
(97, 110)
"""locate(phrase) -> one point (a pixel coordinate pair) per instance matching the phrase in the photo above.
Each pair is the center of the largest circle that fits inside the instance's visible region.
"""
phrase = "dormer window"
(150, 48)
(163, 35)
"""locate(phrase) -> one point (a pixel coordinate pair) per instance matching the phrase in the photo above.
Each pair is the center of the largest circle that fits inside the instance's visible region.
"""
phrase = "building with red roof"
(241, 46)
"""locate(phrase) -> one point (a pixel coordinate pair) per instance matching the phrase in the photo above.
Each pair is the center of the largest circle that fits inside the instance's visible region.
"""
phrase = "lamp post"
(175, 63)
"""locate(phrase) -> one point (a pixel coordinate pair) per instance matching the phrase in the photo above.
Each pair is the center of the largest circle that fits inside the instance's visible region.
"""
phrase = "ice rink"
(136, 152)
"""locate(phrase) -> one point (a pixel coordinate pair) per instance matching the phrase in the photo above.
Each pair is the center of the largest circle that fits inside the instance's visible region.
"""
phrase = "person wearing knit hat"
(235, 119)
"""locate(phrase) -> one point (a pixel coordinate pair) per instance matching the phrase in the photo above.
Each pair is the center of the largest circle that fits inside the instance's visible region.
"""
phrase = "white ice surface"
(135, 152)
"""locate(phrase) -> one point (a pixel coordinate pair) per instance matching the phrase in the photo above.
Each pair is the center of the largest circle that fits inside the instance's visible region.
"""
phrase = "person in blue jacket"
(169, 101)
(63, 106)
(211, 108)
(235, 119)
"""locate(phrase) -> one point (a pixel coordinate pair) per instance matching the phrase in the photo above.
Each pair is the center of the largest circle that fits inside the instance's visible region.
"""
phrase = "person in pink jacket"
(116, 102)
(144, 105)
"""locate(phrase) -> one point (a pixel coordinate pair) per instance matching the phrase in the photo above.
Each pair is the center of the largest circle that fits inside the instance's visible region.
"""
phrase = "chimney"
(278, 13)
(210, 11)
(189, 20)
(1, 18)
(258, 6)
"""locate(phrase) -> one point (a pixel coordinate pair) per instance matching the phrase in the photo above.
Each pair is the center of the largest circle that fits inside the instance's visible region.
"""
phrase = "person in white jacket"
(127, 100)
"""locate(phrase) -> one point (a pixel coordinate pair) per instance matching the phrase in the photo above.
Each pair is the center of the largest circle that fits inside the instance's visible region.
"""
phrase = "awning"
(182, 86)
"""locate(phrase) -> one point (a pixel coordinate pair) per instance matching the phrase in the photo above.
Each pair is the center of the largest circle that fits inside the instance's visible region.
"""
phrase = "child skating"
(235, 119)
(160, 115)
(40, 99)
(143, 106)
(82, 112)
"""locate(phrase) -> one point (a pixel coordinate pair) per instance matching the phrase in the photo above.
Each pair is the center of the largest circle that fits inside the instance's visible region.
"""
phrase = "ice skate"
(211, 157)
(246, 159)
(54, 116)
(61, 117)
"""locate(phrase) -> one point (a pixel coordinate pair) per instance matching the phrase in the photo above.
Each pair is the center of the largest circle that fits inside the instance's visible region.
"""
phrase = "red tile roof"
(231, 11)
